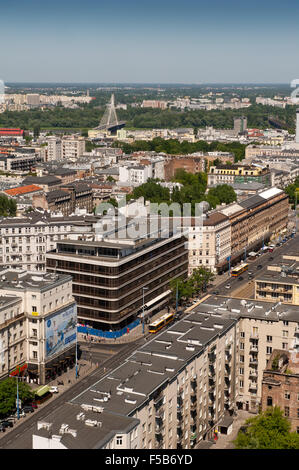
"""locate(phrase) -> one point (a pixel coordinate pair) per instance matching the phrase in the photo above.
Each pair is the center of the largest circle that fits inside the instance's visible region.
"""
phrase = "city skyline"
(190, 43)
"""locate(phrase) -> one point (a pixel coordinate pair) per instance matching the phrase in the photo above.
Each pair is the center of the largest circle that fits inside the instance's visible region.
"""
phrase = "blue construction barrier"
(108, 334)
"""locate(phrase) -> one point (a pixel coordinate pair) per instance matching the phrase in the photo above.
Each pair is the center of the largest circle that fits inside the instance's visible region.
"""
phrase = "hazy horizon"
(169, 42)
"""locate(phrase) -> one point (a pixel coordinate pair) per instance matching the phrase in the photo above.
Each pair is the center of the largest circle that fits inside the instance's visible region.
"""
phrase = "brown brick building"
(280, 385)
(255, 220)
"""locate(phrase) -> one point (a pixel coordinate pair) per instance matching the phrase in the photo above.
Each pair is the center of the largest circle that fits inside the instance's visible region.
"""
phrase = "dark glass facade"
(110, 297)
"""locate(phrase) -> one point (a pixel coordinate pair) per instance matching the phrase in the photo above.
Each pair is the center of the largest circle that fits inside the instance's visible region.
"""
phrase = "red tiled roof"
(22, 190)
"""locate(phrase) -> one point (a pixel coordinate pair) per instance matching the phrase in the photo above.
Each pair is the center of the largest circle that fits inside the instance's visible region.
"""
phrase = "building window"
(269, 350)
(287, 395)
(242, 334)
(285, 333)
(269, 401)
(119, 440)
(269, 339)
(284, 345)
(287, 411)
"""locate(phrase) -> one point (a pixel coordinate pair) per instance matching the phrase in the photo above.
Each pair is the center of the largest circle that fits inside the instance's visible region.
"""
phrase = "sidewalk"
(226, 442)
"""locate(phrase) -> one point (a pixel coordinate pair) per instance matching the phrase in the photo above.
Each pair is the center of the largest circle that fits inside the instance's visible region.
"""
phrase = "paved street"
(20, 436)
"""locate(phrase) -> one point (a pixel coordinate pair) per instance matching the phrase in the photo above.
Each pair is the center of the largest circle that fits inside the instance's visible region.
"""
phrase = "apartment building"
(25, 240)
(256, 220)
(66, 199)
(110, 275)
(135, 174)
(13, 344)
(209, 245)
(277, 287)
(230, 174)
(21, 163)
(175, 389)
(187, 381)
(50, 323)
(280, 385)
(72, 147)
(280, 283)
(54, 148)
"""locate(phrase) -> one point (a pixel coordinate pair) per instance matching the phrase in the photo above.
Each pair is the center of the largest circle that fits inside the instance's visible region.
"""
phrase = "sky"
(157, 41)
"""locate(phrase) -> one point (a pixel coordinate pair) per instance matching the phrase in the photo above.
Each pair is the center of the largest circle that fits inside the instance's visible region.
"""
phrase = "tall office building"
(240, 124)
(114, 277)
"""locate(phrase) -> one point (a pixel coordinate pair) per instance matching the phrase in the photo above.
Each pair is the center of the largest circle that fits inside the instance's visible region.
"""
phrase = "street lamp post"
(18, 407)
(143, 289)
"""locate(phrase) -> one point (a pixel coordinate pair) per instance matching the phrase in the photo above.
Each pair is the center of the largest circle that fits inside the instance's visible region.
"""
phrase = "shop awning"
(42, 390)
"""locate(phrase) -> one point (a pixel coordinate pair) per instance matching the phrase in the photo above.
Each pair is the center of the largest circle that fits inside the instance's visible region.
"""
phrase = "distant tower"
(297, 126)
(240, 124)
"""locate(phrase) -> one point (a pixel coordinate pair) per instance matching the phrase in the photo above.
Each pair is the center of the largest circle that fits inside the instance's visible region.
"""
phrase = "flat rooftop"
(92, 429)
(21, 280)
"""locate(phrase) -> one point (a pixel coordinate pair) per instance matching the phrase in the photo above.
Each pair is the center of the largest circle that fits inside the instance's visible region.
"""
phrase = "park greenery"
(174, 147)
(184, 289)
(8, 395)
(89, 115)
(268, 430)
(193, 191)
(8, 207)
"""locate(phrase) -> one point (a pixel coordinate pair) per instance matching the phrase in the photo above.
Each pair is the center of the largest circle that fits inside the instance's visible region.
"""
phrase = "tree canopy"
(8, 395)
(8, 207)
(268, 430)
(291, 192)
(194, 285)
(222, 193)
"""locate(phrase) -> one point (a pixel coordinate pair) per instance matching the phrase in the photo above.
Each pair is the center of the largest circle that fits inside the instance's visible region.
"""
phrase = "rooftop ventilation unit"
(93, 423)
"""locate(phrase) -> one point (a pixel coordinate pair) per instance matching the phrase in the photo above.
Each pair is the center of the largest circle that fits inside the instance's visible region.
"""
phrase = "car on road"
(7, 424)
(215, 292)
(271, 258)
(54, 389)
(259, 266)
(28, 409)
(228, 286)
(240, 278)
(2, 428)
(178, 314)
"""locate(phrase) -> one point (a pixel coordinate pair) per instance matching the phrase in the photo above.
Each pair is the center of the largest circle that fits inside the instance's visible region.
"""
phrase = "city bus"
(239, 270)
(160, 322)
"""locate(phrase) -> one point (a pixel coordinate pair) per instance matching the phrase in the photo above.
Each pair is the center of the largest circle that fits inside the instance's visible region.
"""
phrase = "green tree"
(200, 279)
(291, 192)
(224, 193)
(8, 207)
(268, 430)
(8, 395)
(182, 288)
(36, 131)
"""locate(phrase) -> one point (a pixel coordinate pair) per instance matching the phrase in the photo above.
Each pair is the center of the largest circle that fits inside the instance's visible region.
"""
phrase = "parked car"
(2, 428)
(28, 409)
(7, 424)
(54, 389)
(240, 278)
(215, 292)
(228, 286)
